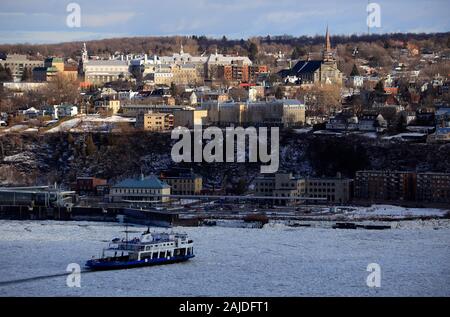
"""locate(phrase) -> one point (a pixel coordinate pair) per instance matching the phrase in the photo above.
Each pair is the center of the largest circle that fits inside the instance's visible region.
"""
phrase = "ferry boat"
(148, 249)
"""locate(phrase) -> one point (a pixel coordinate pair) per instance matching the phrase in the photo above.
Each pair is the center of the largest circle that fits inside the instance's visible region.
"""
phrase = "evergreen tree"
(279, 94)
(91, 148)
(5, 74)
(241, 187)
(379, 88)
(355, 71)
(253, 51)
(297, 53)
(26, 74)
(402, 123)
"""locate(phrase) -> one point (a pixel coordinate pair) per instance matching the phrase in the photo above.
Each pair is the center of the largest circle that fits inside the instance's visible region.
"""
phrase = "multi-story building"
(54, 66)
(17, 63)
(99, 72)
(154, 121)
(190, 118)
(88, 185)
(133, 110)
(385, 185)
(334, 190)
(149, 189)
(240, 72)
(279, 112)
(216, 61)
(108, 105)
(433, 187)
(163, 75)
(185, 74)
(183, 181)
(280, 185)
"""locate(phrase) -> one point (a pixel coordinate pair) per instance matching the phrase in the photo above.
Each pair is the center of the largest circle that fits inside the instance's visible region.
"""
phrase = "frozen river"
(274, 261)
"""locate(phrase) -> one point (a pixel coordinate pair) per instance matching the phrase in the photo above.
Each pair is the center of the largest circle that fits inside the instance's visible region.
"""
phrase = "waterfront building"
(183, 181)
(280, 185)
(385, 185)
(334, 189)
(89, 185)
(144, 189)
(433, 187)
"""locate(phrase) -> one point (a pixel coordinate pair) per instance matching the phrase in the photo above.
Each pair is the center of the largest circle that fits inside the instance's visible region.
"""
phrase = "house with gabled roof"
(144, 189)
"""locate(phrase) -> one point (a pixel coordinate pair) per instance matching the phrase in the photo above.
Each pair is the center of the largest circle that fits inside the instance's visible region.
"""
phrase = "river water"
(274, 261)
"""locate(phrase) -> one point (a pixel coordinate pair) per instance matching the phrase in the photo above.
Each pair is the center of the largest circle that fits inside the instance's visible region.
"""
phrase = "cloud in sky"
(107, 19)
(45, 21)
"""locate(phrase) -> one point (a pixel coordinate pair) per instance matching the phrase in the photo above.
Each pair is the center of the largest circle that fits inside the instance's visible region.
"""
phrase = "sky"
(45, 21)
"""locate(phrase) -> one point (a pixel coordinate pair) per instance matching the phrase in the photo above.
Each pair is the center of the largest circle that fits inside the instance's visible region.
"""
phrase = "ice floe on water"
(274, 261)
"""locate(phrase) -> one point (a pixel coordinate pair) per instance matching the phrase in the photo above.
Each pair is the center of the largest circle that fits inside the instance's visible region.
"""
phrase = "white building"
(149, 189)
(64, 110)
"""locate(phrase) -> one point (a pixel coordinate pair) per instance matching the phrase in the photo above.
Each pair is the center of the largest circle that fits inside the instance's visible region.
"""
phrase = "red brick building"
(241, 73)
(88, 185)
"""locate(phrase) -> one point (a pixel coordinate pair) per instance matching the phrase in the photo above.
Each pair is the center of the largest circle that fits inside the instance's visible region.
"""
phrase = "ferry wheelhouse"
(148, 249)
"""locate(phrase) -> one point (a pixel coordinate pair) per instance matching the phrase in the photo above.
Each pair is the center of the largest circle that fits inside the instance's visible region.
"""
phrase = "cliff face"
(45, 159)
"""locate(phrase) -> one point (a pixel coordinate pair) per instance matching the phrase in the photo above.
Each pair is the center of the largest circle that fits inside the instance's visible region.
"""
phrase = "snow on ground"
(369, 135)
(65, 126)
(95, 118)
(31, 130)
(405, 135)
(397, 211)
(90, 123)
(19, 158)
(303, 131)
(275, 261)
(325, 132)
(15, 128)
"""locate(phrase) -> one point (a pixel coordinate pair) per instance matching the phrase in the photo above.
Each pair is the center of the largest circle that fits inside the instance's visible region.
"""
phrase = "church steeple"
(84, 53)
(328, 41)
(328, 52)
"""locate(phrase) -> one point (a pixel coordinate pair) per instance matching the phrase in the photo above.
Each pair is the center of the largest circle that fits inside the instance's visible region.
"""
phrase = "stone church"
(309, 71)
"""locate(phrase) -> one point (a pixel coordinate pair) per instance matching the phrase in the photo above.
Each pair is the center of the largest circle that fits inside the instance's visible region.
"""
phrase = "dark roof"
(150, 182)
(302, 67)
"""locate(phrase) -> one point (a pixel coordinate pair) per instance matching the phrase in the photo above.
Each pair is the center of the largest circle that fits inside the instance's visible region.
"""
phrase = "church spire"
(327, 52)
(84, 53)
(328, 41)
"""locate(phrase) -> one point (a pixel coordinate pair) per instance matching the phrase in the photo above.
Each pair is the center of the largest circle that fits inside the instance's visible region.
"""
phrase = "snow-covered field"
(274, 261)
(89, 123)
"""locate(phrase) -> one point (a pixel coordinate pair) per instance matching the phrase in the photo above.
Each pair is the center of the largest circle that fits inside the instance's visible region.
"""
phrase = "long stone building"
(284, 112)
